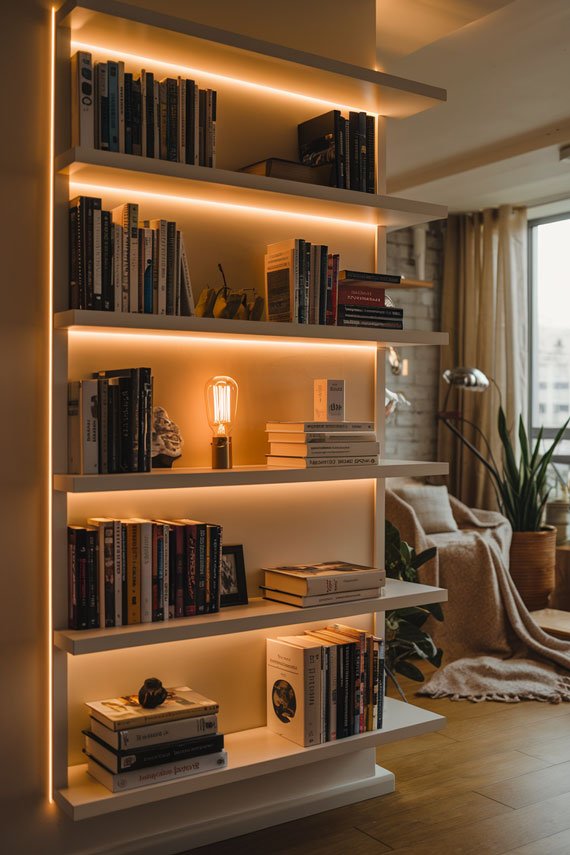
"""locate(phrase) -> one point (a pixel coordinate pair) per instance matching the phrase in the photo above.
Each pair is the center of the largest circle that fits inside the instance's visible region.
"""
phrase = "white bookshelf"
(277, 513)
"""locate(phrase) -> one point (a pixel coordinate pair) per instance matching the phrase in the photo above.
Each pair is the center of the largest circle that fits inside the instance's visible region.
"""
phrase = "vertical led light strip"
(50, 409)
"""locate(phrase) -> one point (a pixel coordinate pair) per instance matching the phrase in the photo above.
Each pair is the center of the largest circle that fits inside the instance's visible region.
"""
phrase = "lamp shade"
(471, 379)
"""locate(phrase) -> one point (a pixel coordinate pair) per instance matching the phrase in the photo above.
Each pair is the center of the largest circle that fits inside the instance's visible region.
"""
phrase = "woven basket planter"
(532, 563)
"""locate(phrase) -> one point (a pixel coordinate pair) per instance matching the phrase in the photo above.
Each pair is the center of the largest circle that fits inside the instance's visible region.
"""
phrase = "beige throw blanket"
(493, 650)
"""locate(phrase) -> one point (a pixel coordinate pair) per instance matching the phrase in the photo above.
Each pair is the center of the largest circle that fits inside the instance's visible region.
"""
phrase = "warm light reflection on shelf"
(78, 188)
(193, 338)
(188, 71)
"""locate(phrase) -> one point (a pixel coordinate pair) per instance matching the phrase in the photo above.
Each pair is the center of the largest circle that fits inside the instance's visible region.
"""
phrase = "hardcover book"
(326, 578)
(155, 734)
(156, 774)
(149, 755)
(321, 599)
(126, 712)
(294, 691)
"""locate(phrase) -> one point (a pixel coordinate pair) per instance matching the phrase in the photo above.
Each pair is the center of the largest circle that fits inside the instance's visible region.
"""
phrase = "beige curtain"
(485, 310)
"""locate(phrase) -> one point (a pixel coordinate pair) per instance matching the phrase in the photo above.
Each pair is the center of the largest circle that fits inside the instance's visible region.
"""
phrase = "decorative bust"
(152, 693)
(167, 440)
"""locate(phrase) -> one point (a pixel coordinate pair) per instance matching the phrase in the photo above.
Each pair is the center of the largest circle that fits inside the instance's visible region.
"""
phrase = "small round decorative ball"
(152, 693)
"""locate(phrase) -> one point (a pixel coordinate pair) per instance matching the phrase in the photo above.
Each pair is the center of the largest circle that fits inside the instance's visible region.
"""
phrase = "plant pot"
(532, 562)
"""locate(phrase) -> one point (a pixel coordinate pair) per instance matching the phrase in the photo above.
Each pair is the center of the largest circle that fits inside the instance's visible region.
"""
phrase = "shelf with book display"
(78, 321)
(258, 614)
(93, 169)
(127, 29)
(251, 753)
(242, 475)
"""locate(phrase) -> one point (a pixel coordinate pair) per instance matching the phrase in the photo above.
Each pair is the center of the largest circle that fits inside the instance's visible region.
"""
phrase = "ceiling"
(507, 73)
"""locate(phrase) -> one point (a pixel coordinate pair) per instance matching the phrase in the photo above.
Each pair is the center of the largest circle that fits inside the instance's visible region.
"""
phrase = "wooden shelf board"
(85, 320)
(155, 36)
(258, 614)
(240, 189)
(162, 479)
(251, 753)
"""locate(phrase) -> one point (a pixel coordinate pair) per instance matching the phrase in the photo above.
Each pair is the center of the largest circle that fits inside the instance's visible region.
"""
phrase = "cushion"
(431, 505)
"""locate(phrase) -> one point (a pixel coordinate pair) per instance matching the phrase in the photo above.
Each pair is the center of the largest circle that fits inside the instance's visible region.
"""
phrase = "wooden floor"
(496, 780)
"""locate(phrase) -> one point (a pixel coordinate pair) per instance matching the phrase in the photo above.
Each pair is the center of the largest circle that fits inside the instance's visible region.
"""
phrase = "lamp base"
(222, 452)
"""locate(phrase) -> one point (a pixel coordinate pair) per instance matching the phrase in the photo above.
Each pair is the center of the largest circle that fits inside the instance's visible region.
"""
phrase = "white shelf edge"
(259, 614)
(84, 320)
(379, 91)
(179, 478)
(251, 753)
(94, 166)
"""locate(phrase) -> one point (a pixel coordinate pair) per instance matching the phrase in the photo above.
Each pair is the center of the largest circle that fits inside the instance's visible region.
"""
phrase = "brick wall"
(411, 433)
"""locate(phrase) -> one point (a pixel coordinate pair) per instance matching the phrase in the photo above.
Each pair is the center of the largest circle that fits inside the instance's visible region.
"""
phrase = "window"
(549, 243)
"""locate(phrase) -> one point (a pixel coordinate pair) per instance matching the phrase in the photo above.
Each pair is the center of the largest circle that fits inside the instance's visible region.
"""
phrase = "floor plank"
(530, 788)
(556, 844)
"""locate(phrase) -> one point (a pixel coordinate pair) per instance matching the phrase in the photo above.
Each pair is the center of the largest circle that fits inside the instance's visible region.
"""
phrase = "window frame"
(548, 433)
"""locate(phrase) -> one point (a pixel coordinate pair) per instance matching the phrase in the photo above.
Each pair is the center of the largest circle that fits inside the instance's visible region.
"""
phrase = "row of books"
(306, 585)
(129, 746)
(110, 422)
(116, 110)
(347, 144)
(130, 571)
(324, 685)
(308, 445)
(303, 284)
(118, 263)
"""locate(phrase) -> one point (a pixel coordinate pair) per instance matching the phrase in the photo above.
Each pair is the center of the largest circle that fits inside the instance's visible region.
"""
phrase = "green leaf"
(410, 671)
(435, 610)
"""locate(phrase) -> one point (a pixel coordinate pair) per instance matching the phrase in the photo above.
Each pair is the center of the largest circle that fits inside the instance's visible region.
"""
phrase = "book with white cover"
(82, 100)
(126, 712)
(322, 599)
(316, 462)
(320, 438)
(315, 427)
(156, 774)
(155, 734)
(294, 691)
(328, 449)
(311, 643)
(326, 578)
(83, 427)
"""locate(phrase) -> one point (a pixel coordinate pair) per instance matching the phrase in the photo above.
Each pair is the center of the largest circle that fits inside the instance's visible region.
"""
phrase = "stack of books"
(115, 110)
(110, 422)
(306, 445)
(347, 145)
(325, 685)
(361, 301)
(128, 746)
(120, 264)
(306, 585)
(304, 285)
(130, 571)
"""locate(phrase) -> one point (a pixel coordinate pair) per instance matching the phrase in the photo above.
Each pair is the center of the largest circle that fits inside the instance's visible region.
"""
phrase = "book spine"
(164, 555)
(147, 756)
(196, 125)
(97, 259)
(113, 84)
(162, 266)
(324, 693)
(102, 106)
(170, 266)
(156, 569)
(145, 571)
(72, 616)
(113, 425)
(76, 286)
(132, 235)
(108, 297)
(121, 105)
(346, 686)
(103, 424)
(170, 568)
(323, 284)
(339, 149)
(163, 101)
(202, 127)
(381, 684)
(182, 576)
(156, 734)
(92, 580)
(118, 571)
(362, 167)
(181, 120)
(128, 113)
(125, 423)
(372, 324)
(347, 174)
(89, 427)
(117, 267)
(147, 270)
(107, 575)
(354, 151)
(364, 276)
(172, 119)
(312, 707)
(157, 774)
(380, 313)
(81, 575)
(190, 121)
(149, 112)
(133, 573)
(136, 117)
(187, 307)
(145, 441)
(191, 571)
(215, 562)
(82, 100)
(332, 691)
(370, 154)
(143, 114)
(157, 118)
(201, 568)
(177, 275)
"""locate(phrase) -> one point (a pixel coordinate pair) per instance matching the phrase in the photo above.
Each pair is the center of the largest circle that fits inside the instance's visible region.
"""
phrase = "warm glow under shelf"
(163, 479)
(250, 753)
(149, 35)
(94, 171)
(258, 614)
(133, 324)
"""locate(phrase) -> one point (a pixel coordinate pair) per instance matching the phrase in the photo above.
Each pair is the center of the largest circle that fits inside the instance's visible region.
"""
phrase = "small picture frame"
(233, 584)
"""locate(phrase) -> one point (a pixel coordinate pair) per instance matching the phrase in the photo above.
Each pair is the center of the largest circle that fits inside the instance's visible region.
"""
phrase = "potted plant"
(405, 638)
(522, 494)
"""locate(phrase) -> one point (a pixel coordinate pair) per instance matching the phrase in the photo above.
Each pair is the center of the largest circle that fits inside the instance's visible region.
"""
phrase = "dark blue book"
(128, 113)
(113, 84)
